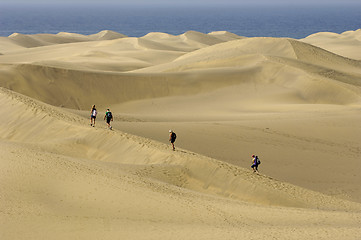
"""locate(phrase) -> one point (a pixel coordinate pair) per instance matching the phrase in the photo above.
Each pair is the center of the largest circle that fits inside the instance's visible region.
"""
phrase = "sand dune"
(18, 41)
(58, 173)
(225, 36)
(61, 133)
(292, 65)
(188, 41)
(228, 52)
(293, 102)
(347, 44)
(116, 53)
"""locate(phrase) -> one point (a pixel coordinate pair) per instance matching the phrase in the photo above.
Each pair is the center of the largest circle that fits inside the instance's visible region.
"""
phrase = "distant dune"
(347, 44)
(295, 103)
(70, 75)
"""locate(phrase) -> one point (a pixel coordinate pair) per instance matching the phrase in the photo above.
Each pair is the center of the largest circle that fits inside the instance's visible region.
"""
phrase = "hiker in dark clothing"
(108, 117)
(172, 137)
(255, 163)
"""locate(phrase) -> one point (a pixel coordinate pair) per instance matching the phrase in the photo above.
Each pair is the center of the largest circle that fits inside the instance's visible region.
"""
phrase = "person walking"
(93, 116)
(172, 137)
(108, 117)
(255, 163)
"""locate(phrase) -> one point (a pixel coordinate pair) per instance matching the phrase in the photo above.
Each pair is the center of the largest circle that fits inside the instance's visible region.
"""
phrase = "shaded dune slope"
(56, 132)
(76, 89)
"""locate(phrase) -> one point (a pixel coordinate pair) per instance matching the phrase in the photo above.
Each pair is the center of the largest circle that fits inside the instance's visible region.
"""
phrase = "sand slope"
(57, 176)
(293, 103)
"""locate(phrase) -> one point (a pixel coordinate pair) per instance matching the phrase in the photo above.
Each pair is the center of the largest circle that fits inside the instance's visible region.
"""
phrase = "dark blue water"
(251, 21)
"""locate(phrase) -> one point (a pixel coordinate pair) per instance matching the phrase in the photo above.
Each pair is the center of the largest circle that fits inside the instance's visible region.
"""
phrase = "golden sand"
(294, 103)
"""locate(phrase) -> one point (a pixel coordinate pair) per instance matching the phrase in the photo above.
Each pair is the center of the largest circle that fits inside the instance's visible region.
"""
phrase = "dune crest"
(224, 35)
(39, 40)
(106, 35)
(26, 40)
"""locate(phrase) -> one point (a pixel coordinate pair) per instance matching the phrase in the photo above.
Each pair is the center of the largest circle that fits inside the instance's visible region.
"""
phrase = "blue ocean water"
(249, 21)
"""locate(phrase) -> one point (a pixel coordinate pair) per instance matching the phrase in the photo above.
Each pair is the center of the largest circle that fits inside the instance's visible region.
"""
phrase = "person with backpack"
(108, 117)
(255, 163)
(172, 137)
(93, 116)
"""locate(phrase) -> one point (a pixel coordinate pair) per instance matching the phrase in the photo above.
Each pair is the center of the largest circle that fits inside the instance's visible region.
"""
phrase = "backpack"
(109, 115)
(174, 136)
(258, 161)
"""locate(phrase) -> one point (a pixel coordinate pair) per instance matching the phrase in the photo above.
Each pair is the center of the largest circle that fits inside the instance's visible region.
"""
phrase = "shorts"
(172, 140)
(108, 120)
(93, 116)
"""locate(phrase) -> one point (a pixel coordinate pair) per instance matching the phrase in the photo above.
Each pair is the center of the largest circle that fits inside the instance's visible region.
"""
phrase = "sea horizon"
(293, 21)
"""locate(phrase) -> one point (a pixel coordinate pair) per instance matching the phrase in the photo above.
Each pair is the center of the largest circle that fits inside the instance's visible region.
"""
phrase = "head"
(170, 131)
(108, 109)
(253, 156)
(93, 106)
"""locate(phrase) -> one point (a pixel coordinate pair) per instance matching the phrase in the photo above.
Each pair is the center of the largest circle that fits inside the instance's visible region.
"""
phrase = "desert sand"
(296, 103)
